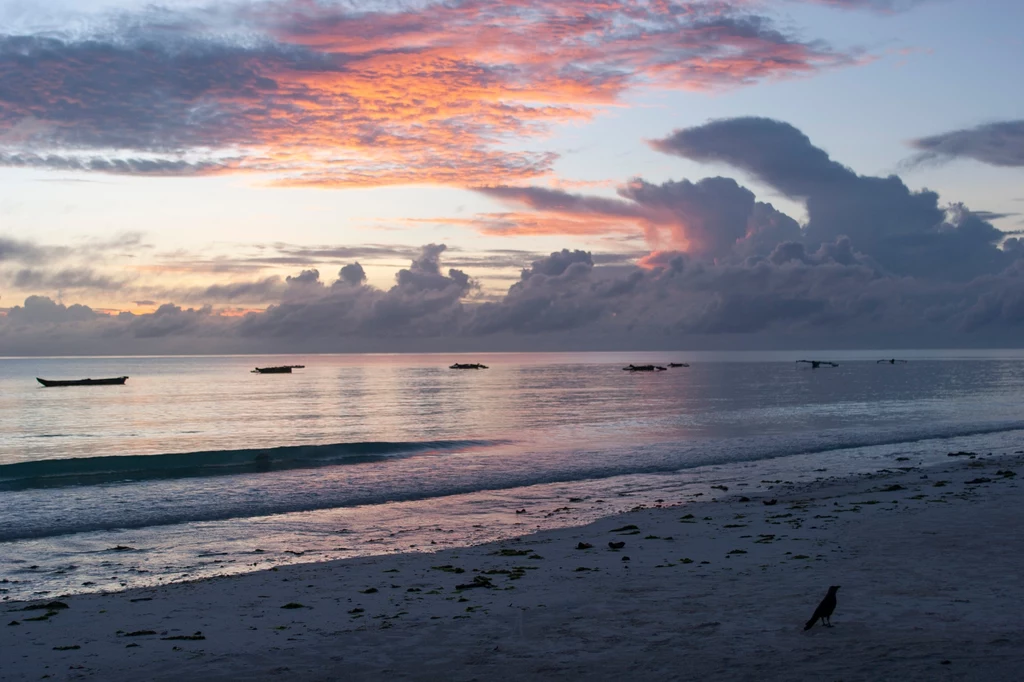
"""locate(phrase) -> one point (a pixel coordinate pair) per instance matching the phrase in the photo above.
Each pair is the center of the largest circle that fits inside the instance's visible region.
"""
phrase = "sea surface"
(198, 467)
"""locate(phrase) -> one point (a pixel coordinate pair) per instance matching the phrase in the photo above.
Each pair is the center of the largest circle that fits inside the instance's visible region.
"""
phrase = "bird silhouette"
(824, 610)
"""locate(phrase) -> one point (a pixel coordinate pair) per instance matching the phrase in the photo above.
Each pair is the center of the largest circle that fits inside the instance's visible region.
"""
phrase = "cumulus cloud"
(424, 300)
(352, 274)
(907, 232)
(904, 232)
(793, 291)
(168, 320)
(998, 144)
(43, 310)
(714, 218)
(875, 261)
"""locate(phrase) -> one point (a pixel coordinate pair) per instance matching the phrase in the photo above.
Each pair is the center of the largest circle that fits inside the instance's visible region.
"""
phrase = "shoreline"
(928, 575)
(164, 555)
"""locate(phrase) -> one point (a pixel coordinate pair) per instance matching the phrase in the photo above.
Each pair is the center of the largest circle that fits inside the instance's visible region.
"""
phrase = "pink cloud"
(329, 96)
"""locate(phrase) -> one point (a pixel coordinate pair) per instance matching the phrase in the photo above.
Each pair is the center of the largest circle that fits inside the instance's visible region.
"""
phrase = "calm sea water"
(200, 467)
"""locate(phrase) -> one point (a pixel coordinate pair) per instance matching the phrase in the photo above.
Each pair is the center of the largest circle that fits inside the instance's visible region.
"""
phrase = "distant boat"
(115, 381)
(892, 361)
(644, 368)
(280, 369)
(678, 364)
(468, 365)
(815, 364)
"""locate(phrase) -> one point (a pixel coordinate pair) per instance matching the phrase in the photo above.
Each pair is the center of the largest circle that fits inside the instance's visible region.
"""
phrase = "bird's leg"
(827, 621)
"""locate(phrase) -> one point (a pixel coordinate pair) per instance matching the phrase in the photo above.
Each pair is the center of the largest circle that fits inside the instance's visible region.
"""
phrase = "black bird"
(824, 610)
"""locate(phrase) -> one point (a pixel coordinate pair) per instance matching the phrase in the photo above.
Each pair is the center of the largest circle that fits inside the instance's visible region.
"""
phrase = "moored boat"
(644, 368)
(113, 381)
(280, 369)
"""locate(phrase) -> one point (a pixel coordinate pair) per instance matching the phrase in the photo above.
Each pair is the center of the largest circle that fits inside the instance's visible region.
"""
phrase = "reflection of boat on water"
(115, 381)
(468, 365)
(678, 364)
(891, 361)
(280, 369)
(815, 364)
(644, 368)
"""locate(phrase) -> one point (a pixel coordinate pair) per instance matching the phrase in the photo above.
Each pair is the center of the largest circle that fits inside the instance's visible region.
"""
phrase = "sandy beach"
(928, 560)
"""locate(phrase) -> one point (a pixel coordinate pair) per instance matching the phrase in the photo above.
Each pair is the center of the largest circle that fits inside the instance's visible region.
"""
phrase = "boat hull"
(115, 381)
(282, 369)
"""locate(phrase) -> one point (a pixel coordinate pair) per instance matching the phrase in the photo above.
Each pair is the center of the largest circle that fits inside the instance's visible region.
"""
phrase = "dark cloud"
(42, 310)
(66, 278)
(27, 252)
(423, 301)
(169, 320)
(989, 216)
(794, 291)
(343, 94)
(714, 217)
(875, 263)
(352, 274)
(260, 291)
(553, 294)
(999, 144)
(22, 251)
(116, 166)
(560, 201)
(304, 278)
(140, 89)
(310, 254)
(906, 232)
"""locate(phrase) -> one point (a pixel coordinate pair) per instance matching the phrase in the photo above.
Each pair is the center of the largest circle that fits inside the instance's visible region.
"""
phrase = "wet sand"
(928, 560)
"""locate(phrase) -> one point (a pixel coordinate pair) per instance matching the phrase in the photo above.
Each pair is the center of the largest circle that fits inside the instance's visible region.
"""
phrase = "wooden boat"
(115, 381)
(280, 369)
(468, 365)
(644, 368)
(816, 364)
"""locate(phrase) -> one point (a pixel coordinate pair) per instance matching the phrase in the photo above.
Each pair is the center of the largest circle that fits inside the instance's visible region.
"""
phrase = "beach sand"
(929, 560)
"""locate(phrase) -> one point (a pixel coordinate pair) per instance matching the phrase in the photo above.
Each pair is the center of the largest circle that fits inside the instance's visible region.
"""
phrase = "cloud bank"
(875, 262)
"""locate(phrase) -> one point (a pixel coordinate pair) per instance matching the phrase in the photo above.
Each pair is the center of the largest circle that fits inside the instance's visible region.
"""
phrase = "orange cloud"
(330, 96)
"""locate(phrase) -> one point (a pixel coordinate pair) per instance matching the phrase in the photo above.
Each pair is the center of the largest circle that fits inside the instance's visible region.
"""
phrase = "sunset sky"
(322, 175)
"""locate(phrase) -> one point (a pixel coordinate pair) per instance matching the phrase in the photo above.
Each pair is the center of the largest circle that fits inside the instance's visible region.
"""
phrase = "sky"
(411, 175)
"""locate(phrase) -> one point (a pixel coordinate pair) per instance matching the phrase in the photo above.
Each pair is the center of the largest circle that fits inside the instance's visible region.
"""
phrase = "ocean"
(197, 467)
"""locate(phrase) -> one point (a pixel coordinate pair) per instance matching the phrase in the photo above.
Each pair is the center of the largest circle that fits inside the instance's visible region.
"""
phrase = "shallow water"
(196, 463)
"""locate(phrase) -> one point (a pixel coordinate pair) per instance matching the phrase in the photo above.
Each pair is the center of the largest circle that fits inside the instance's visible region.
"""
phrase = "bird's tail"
(810, 623)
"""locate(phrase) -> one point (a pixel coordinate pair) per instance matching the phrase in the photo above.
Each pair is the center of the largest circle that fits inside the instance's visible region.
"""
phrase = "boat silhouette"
(113, 381)
(280, 369)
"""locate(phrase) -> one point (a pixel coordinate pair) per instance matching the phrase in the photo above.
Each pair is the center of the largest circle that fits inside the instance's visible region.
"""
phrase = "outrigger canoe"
(115, 381)
(281, 369)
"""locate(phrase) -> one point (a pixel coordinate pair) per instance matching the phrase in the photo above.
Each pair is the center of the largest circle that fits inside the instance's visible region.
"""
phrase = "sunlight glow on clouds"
(482, 97)
(874, 257)
(324, 94)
